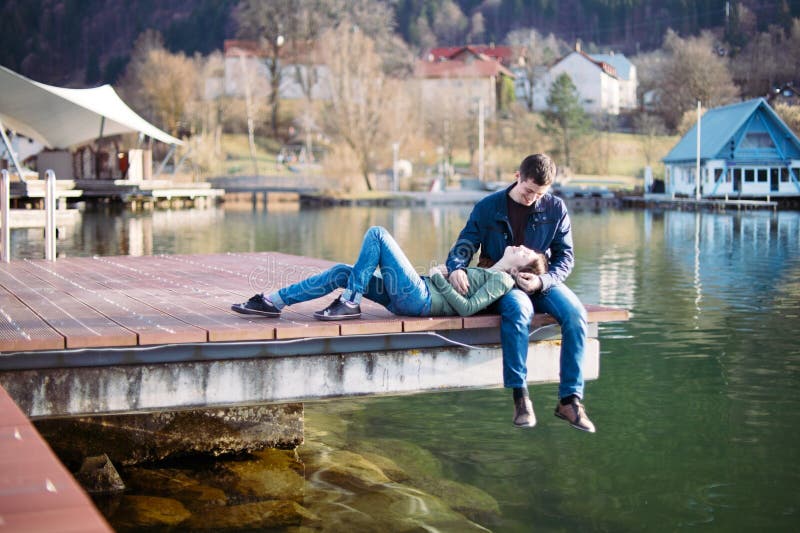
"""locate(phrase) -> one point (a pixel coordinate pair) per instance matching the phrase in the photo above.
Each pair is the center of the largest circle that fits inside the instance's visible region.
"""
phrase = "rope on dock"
(272, 342)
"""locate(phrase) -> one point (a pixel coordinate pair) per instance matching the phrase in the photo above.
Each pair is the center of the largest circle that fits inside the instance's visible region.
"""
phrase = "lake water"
(697, 404)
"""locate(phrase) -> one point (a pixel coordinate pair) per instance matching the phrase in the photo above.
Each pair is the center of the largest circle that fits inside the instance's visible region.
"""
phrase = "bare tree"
(649, 127)
(693, 71)
(793, 49)
(360, 94)
(376, 20)
(688, 120)
(790, 115)
(161, 85)
(449, 24)
(477, 28)
(648, 72)
(535, 53)
(424, 33)
(312, 18)
(769, 59)
(270, 24)
(758, 67)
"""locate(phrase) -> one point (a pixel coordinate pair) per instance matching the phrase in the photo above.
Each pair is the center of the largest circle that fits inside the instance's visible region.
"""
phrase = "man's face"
(528, 192)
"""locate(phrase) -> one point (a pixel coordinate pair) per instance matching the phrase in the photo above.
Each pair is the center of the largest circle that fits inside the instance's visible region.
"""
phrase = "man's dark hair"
(539, 168)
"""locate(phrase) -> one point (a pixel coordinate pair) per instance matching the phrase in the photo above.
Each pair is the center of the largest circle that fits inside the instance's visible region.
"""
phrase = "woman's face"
(519, 256)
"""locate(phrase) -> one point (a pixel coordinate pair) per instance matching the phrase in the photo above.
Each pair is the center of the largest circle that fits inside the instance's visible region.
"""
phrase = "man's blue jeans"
(397, 286)
(517, 308)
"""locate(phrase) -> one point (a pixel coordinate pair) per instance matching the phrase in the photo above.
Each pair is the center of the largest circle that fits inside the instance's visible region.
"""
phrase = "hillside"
(88, 42)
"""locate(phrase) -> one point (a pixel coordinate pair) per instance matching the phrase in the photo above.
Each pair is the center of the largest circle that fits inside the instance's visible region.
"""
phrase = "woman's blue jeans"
(397, 286)
(517, 308)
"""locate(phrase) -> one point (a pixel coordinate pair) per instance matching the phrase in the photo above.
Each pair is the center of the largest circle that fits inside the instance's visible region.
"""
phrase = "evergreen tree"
(565, 119)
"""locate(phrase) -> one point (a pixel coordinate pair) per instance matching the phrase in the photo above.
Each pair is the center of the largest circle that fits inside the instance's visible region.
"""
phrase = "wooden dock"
(100, 335)
(37, 493)
(158, 300)
(682, 203)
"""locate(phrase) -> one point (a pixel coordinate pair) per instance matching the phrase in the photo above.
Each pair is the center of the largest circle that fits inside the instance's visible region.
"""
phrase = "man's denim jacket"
(548, 230)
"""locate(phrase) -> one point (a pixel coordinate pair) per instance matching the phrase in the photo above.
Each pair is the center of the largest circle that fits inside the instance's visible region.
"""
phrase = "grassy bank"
(614, 160)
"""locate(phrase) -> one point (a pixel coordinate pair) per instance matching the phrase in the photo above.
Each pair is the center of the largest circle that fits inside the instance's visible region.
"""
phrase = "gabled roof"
(60, 118)
(503, 54)
(602, 65)
(720, 125)
(295, 52)
(621, 64)
(464, 63)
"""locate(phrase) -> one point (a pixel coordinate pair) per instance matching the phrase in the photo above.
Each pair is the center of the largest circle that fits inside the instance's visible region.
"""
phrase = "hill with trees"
(161, 54)
(88, 42)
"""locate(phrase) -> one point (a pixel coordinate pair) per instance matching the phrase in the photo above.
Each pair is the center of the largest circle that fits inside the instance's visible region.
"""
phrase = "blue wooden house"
(746, 150)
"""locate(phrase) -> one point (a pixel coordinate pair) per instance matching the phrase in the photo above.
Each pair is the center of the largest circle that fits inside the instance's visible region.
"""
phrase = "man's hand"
(441, 269)
(460, 281)
(529, 282)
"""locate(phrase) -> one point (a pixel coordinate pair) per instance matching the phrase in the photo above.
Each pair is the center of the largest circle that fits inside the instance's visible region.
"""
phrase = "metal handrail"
(5, 217)
(50, 216)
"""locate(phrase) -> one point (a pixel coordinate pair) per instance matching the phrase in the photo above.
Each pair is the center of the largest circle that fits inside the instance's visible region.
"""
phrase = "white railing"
(5, 217)
(50, 216)
(50, 198)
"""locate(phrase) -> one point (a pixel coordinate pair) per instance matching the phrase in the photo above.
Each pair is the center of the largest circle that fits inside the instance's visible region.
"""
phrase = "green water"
(697, 402)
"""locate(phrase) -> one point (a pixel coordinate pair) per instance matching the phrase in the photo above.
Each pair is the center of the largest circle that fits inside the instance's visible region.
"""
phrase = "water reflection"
(696, 406)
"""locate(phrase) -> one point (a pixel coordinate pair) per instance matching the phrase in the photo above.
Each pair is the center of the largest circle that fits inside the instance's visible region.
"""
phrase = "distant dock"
(683, 203)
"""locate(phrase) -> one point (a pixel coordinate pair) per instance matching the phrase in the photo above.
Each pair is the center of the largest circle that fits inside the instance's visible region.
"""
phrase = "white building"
(626, 76)
(453, 84)
(244, 62)
(601, 86)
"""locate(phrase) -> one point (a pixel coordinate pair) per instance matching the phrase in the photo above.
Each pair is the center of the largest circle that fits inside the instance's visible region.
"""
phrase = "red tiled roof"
(602, 65)
(295, 51)
(503, 54)
(235, 46)
(607, 68)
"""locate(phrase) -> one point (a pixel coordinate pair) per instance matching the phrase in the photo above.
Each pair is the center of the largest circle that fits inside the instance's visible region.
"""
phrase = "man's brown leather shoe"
(575, 414)
(523, 413)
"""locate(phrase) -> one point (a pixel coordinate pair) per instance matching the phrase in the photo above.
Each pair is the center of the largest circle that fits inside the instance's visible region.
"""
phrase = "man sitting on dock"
(527, 214)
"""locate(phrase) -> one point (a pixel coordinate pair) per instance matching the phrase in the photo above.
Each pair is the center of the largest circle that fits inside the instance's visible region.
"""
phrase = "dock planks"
(38, 493)
(173, 299)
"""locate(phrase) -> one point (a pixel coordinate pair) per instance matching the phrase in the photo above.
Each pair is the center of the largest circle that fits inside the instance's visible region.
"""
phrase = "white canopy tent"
(63, 118)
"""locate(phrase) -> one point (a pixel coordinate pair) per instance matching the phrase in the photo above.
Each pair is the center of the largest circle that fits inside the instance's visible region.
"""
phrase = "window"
(749, 175)
(717, 174)
(762, 175)
(785, 175)
(757, 139)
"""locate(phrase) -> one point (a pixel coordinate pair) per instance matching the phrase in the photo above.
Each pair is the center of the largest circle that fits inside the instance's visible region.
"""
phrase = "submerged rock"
(174, 483)
(98, 476)
(424, 471)
(415, 461)
(352, 493)
(269, 475)
(252, 516)
(136, 512)
(151, 437)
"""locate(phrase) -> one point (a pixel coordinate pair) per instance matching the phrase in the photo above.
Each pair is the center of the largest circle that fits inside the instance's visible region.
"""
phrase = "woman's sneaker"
(339, 310)
(257, 305)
